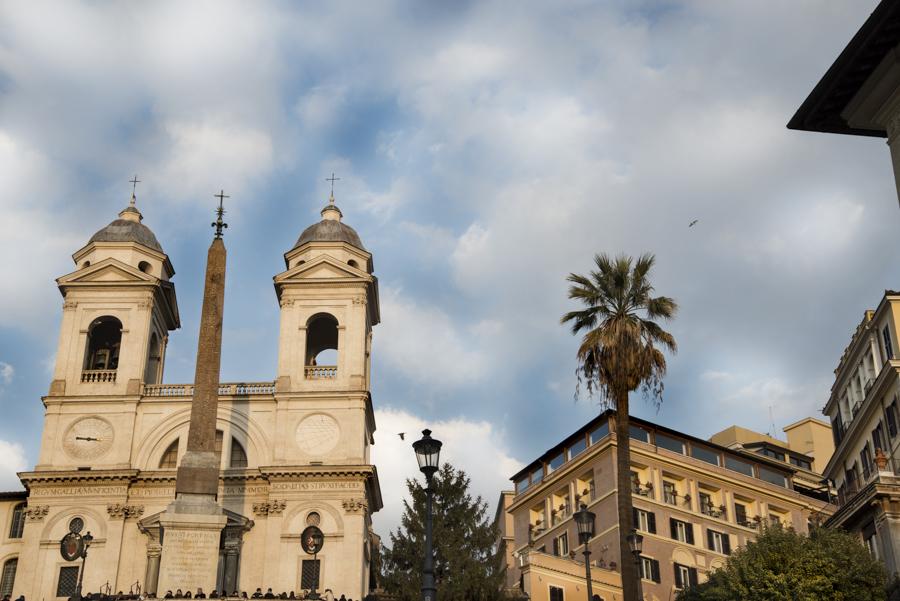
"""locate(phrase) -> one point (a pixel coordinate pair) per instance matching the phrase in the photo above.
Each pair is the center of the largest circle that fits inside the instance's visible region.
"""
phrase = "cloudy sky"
(485, 150)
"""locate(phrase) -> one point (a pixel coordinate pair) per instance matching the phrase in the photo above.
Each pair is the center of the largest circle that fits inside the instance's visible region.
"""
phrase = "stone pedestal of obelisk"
(192, 525)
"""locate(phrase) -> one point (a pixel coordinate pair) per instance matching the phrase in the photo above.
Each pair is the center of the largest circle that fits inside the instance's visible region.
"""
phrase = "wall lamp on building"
(428, 453)
(584, 521)
(636, 545)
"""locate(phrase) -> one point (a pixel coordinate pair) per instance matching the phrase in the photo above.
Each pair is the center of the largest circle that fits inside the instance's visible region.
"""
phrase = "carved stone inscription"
(189, 559)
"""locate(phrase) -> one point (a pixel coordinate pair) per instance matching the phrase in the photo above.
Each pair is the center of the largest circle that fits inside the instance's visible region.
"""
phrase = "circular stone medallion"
(88, 438)
(317, 434)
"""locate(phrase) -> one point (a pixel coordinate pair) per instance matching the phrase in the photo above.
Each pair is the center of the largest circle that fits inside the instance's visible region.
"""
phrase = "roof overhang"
(823, 110)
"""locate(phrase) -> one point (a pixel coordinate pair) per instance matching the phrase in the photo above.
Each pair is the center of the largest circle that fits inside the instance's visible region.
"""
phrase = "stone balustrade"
(225, 389)
(320, 372)
(98, 375)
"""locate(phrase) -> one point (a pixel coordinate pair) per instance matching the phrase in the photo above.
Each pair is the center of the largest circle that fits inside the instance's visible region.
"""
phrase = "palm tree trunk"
(623, 498)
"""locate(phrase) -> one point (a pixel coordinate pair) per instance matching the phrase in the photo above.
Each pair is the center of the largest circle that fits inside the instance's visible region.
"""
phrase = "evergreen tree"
(467, 566)
(826, 565)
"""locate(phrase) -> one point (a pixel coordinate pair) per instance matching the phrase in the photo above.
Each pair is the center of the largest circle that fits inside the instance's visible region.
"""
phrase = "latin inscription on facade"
(78, 491)
(327, 486)
(189, 559)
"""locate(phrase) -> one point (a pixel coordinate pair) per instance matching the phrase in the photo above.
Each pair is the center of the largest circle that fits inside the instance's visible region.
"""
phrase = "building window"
(718, 542)
(17, 525)
(704, 454)
(644, 520)
(669, 443)
(556, 593)
(238, 454)
(170, 457)
(772, 477)
(740, 515)
(599, 433)
(670, 493)
(561, 545)
(556, 463)
(800, 462)
(878, 437)
(321, 341)
(68, 578)
(8, 578)
(638, 433)
(537, 475)
(681, 531)
(522, 485)
(685, 576)
(309, 574)
(649, 569)
(707, 507)
(865, 457)
(888, 347)
(892, 418)
(736, 465)
(771, 453)
(870, 539)
(577, 448)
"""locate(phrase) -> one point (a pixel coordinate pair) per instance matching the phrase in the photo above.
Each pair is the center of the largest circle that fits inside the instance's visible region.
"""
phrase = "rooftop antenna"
(771, 423)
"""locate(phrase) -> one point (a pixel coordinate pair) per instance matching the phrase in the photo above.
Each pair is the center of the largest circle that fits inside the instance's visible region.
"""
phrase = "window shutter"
(726, 544)
(634, 519)
(709, 540)
(692, 574)
(673, 529)
(556, 546)
(654, 568)
(651, 522)
(690, 532)
(678, 582)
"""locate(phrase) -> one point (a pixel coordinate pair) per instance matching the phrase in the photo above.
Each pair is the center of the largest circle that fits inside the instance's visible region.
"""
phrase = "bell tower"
(119, 306)
(329, 305)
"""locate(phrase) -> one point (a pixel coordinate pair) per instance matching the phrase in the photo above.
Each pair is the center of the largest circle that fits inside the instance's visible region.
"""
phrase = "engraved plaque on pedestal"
(190, 551)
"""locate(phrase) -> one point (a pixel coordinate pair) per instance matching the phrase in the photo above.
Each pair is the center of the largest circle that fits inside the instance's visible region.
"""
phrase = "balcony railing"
(320, 372)
(712, 511)
(98, 375)
(643, 491)
(230, 389)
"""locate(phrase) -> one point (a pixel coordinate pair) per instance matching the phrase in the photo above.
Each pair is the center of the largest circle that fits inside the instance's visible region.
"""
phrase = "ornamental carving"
(69, 305)
(122, 511)
(286, 302)
(354, 505)
(36, 513)
(144, 304)
(270, 508)
(359, 300)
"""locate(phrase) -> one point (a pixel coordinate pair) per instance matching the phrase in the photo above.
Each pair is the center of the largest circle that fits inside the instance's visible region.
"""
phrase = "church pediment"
(107, 270)
(322, 268)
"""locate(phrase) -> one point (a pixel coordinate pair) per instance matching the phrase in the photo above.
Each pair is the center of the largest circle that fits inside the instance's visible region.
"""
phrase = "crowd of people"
(304, 595)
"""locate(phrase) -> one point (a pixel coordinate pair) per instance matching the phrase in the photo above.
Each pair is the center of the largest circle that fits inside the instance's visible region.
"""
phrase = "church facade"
(294, 451)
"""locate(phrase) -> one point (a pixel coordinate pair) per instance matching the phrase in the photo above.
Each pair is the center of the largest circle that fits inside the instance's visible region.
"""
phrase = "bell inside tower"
(103, 341)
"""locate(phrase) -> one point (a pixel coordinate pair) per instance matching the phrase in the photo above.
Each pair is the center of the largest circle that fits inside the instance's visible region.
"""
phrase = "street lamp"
(86, 541)
(428, 452)
(636, 544)
(584, 521)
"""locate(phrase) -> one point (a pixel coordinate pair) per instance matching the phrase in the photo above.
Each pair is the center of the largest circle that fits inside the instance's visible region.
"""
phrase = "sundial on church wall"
(317, 434)
(88, 438)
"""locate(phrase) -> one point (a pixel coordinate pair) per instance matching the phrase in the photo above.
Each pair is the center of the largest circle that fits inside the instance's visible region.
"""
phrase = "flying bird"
(402, 435)
(693, 223)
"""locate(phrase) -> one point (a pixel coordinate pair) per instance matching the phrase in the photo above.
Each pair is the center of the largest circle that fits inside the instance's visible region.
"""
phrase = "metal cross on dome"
(332, 179)
(134, 182)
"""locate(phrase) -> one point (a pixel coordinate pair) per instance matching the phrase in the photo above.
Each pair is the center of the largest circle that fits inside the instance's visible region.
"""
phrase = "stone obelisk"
(193, 523)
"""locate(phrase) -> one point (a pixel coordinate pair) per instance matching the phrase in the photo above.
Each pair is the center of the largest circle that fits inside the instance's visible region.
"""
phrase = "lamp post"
(636, 544)
(86, 541)
(584, 521)
(428, 452)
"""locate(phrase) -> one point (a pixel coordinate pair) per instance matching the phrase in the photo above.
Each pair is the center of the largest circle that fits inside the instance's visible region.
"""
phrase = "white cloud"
(7, 372)
(424, 344)
(12, 460)
(715, 376)
(467, 445)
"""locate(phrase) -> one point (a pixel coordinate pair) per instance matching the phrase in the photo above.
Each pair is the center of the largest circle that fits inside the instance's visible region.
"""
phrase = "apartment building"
(865, 423)
(695, 501)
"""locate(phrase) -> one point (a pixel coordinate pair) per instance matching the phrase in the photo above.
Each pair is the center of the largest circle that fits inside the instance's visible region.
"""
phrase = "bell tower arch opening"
(103, 342)
(321, 341)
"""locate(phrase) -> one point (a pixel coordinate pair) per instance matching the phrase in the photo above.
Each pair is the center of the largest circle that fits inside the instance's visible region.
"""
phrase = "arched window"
(321, 336)
(8, 577)
(154, 360)
(104, 339)
(353, 263)
(170, 457)
(145, 267)
(238, 454)
(17, 525)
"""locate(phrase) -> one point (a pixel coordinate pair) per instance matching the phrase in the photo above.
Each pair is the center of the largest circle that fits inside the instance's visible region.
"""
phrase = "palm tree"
(619, 353)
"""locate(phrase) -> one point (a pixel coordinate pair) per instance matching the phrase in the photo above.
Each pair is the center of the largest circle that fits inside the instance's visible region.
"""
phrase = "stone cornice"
(30, 479)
